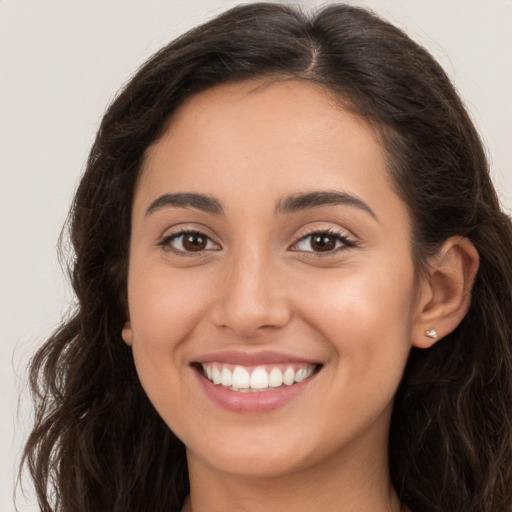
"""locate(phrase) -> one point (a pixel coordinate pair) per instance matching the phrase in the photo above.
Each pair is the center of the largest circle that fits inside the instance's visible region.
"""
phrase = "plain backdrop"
(61, 62)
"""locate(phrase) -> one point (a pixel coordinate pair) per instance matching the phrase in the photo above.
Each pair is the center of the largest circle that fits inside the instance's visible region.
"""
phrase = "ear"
(127, 333)
(445, 292)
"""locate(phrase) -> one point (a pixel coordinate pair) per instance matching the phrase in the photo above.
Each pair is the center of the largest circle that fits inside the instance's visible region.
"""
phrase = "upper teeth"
(240, 378)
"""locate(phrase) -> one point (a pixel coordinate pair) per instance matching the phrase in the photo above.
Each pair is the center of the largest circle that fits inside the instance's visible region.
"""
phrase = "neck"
(341, 483)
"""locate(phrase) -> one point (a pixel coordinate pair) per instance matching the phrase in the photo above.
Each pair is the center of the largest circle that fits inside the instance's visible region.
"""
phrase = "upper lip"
(252, 358)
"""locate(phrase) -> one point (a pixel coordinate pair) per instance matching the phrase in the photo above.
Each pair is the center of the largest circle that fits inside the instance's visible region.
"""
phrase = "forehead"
(265, 109)
(266, 139)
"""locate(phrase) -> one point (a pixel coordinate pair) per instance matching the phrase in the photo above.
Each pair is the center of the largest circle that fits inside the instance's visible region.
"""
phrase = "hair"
(98, 444)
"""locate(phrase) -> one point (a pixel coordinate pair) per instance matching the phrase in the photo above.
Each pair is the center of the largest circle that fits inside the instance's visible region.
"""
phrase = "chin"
(256, 464)
(257, 453)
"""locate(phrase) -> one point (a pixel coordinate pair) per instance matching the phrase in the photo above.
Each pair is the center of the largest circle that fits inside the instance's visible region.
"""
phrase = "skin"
(261, 284)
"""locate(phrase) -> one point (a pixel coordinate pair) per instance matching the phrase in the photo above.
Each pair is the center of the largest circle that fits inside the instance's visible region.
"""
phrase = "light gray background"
(60, 64)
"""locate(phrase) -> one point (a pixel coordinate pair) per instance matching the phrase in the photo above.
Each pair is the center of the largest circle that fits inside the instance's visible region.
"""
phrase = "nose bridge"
(252, 300)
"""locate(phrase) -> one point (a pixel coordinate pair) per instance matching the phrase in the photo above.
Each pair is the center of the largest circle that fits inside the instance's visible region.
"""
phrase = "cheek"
(163, 306)
(362, 298)
(164, 310)
(365, 315)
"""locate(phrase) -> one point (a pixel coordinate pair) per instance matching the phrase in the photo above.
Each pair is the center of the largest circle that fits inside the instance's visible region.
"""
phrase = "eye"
(189, 242)
(323, 242)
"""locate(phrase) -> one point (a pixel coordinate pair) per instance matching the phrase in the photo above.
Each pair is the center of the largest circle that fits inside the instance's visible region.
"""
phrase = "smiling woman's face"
(269, 247)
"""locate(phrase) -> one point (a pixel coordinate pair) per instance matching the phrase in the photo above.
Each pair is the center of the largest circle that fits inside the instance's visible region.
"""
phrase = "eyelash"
(344, 242)
(165, 243)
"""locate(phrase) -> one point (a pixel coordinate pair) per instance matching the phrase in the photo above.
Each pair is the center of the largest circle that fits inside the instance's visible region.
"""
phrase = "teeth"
(275, 378)
(302, 374)
(289, 376)
(216, 375)
(227, 379)
(241, 379)
(259, 379)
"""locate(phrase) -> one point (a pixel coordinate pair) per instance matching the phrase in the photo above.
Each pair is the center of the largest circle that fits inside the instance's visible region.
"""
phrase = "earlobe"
(446, 291)
(126, 333)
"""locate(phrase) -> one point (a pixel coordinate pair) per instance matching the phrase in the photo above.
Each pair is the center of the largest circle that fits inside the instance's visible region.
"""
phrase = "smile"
(254, 383)
(256, 378)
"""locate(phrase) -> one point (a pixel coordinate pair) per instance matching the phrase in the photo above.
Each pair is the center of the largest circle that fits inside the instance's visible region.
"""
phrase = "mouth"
(256, 379)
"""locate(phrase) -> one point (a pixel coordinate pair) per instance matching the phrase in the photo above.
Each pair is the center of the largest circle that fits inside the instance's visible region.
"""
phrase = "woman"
(293, 283)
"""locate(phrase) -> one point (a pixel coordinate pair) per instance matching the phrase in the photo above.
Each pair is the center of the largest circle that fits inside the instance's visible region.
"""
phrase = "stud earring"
(431, 334)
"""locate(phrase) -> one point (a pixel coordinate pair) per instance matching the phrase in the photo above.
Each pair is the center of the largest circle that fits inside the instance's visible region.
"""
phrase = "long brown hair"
(98, 444)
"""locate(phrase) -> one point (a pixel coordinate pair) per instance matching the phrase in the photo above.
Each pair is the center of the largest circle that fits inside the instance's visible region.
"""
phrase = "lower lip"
(254, 401)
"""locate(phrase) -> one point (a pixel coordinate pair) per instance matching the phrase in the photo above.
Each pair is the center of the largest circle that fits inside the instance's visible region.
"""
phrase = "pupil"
(194, 242)
(323, 243)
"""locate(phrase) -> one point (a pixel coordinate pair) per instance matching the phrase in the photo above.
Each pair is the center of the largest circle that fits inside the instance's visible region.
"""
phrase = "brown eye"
(323, 242)
(194, 242)
(189, 242)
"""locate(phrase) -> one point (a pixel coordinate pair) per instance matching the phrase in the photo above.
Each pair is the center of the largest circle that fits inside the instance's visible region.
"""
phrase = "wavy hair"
(98, 444)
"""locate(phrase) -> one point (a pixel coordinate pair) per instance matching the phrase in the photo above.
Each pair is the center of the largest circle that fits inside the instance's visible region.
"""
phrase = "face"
(271, 287)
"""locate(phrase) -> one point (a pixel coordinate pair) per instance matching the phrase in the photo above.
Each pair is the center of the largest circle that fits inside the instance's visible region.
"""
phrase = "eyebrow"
(299, 202)
(186, 200)
(289, 204)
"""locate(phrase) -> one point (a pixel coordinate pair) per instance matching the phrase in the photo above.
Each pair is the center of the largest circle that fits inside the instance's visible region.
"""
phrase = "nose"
(252, 297)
